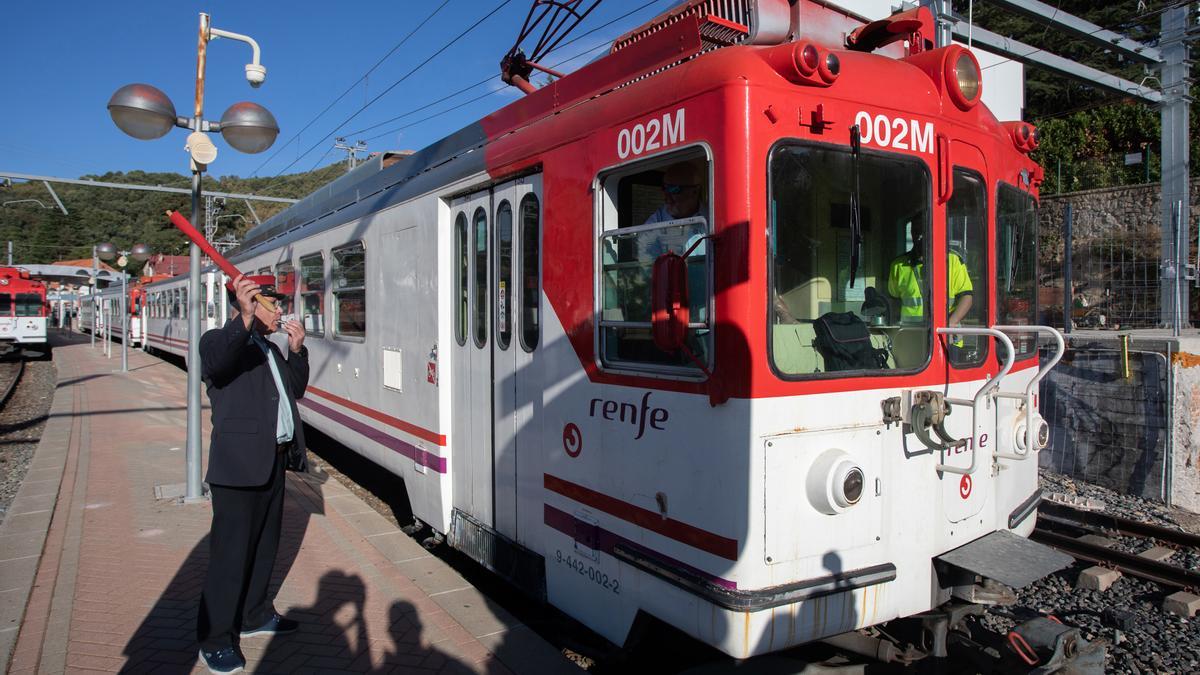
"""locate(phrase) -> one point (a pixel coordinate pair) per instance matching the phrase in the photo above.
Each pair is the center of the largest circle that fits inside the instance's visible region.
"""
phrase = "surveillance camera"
(255, 74)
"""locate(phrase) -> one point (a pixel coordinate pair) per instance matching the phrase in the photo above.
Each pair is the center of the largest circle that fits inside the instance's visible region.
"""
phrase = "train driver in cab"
(906, 275)
(683, 186)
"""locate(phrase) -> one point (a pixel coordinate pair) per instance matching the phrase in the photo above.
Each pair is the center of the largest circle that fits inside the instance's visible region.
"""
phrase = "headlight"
(963, 78)
(834, 482)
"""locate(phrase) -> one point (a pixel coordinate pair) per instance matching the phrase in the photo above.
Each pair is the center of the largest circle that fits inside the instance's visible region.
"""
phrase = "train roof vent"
(722, 22)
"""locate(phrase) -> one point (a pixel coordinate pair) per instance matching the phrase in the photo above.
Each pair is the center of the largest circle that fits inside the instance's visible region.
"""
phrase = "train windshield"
(1016, 255)
(29, 304)
(834, 308)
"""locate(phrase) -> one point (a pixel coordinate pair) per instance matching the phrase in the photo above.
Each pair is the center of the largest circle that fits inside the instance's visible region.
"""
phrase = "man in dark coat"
(257, 435)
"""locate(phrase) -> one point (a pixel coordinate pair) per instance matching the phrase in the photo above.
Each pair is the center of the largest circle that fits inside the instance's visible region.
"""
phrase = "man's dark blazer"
(245, 405)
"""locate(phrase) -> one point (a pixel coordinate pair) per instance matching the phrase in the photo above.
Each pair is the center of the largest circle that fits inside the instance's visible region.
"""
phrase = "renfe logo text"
(620, 411)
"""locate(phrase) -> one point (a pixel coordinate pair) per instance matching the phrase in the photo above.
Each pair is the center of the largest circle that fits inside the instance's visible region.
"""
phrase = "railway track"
(10, 375)
(1061, 526)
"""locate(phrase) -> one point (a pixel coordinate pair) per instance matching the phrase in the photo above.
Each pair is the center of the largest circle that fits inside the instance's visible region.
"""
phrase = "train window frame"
(320, 293)
(502, 282)
(462, 279)
(607, 189)
(982, 343)
(291, 297)
(1004, 186)
(770, 314)
(336, 304)
(17, 304)
(480, 316)
(530, 318)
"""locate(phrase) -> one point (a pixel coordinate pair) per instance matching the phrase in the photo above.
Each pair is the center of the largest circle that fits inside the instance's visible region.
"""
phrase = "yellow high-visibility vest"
(904, 282)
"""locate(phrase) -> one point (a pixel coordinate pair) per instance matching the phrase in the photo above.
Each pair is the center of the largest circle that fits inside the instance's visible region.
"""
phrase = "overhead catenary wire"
(351, 88)
(393, 85)
(490, 78)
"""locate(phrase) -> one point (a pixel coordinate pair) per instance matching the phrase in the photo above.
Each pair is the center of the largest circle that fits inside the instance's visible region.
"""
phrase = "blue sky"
(62, 61)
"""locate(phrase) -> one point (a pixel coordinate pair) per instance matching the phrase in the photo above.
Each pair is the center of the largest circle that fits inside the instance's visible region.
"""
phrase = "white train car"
(166, 306)
(108, 319)
(633, 415)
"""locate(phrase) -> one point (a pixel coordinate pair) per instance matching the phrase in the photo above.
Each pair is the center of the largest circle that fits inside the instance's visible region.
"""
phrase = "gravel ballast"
(21, 423)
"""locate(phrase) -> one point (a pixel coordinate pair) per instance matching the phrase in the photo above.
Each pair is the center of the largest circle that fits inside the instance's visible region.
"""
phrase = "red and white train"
(23, 310)
(630, 413)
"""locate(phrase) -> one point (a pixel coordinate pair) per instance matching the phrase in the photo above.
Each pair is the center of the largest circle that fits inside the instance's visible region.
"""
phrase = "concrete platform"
(98, 575)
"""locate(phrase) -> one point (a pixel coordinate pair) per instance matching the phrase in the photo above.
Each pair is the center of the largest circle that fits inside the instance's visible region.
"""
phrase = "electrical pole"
(1175, 266)
(351, 151)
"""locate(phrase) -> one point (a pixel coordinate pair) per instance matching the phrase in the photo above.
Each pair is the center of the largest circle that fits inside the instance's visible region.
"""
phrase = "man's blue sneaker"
(224, 660)
(276, 625)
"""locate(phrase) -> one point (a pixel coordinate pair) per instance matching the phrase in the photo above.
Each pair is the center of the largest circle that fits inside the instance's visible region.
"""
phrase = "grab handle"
(1060, 347)
(983, 391)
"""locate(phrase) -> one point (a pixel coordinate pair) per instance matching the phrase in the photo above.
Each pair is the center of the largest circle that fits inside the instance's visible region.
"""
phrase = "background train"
(23, 311)
(629, 410)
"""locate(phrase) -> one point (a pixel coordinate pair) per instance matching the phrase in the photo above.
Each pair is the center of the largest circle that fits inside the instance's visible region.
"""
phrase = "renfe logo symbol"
(619, 411)
(572, 440)
(964, 487)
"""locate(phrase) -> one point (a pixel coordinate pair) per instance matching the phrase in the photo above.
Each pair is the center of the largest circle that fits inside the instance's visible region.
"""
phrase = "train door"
(471, 428)
(516, 207)
(967, 304)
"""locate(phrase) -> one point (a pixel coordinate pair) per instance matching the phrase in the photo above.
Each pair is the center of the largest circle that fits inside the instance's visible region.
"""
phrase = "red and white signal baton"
(227, 267)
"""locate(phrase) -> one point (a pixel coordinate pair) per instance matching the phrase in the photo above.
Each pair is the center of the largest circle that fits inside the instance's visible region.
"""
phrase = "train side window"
(531, 286)
(1016, 260)
(285, 283)
(312, 294)
(210, 310)
(183, 303)
(480, 230)
(175, 311)
(348, 278)
(966, 268)
(825, 292)
(6, 304)
(648, 209)
(504, 266)
(462, 280)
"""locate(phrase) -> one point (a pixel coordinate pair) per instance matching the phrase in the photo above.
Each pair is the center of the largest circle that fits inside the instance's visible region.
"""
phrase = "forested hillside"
(127, 217)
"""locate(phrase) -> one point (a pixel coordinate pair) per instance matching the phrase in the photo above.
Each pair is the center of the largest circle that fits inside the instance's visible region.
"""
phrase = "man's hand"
(295, 335)
(246, 290)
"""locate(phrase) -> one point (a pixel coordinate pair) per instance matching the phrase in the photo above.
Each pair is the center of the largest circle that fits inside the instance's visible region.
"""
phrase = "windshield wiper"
(855, 215)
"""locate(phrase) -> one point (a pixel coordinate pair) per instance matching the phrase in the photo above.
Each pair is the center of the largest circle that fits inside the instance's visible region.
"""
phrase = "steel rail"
(1111, 523)
(11, 386)
(1128, 563)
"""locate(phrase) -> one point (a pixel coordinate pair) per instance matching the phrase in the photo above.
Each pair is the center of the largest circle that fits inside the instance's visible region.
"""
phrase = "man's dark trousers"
(242, 545)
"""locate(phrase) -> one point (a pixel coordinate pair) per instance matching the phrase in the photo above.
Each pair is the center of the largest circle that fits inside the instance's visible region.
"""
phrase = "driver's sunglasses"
(673, 189)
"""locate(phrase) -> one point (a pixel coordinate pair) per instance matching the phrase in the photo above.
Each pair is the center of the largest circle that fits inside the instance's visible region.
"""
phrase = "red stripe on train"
(691, 535)
(407, 427)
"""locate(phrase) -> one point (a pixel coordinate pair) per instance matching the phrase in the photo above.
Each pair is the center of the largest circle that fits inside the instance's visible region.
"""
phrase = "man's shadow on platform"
(166, 638)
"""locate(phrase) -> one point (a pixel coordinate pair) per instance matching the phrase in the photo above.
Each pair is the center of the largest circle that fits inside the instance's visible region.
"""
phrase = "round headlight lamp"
(834, 483)
(963, 78)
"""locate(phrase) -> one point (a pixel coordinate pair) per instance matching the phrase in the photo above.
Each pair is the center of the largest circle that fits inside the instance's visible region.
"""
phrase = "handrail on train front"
(983, 391)
(1060, 348)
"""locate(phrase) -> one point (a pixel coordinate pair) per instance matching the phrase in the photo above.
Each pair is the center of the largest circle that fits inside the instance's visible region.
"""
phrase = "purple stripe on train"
(600, 539)
(422, 457)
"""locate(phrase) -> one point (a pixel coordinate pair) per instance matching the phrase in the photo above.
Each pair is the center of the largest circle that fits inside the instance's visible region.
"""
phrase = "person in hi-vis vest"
(907, 273)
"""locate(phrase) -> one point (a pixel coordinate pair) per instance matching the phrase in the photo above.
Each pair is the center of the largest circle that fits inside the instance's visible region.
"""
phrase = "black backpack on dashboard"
(844, 341)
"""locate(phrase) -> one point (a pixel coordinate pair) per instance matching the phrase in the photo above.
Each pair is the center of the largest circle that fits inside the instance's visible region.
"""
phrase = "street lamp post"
(92, 298)
(145, 112)
(140, 252)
